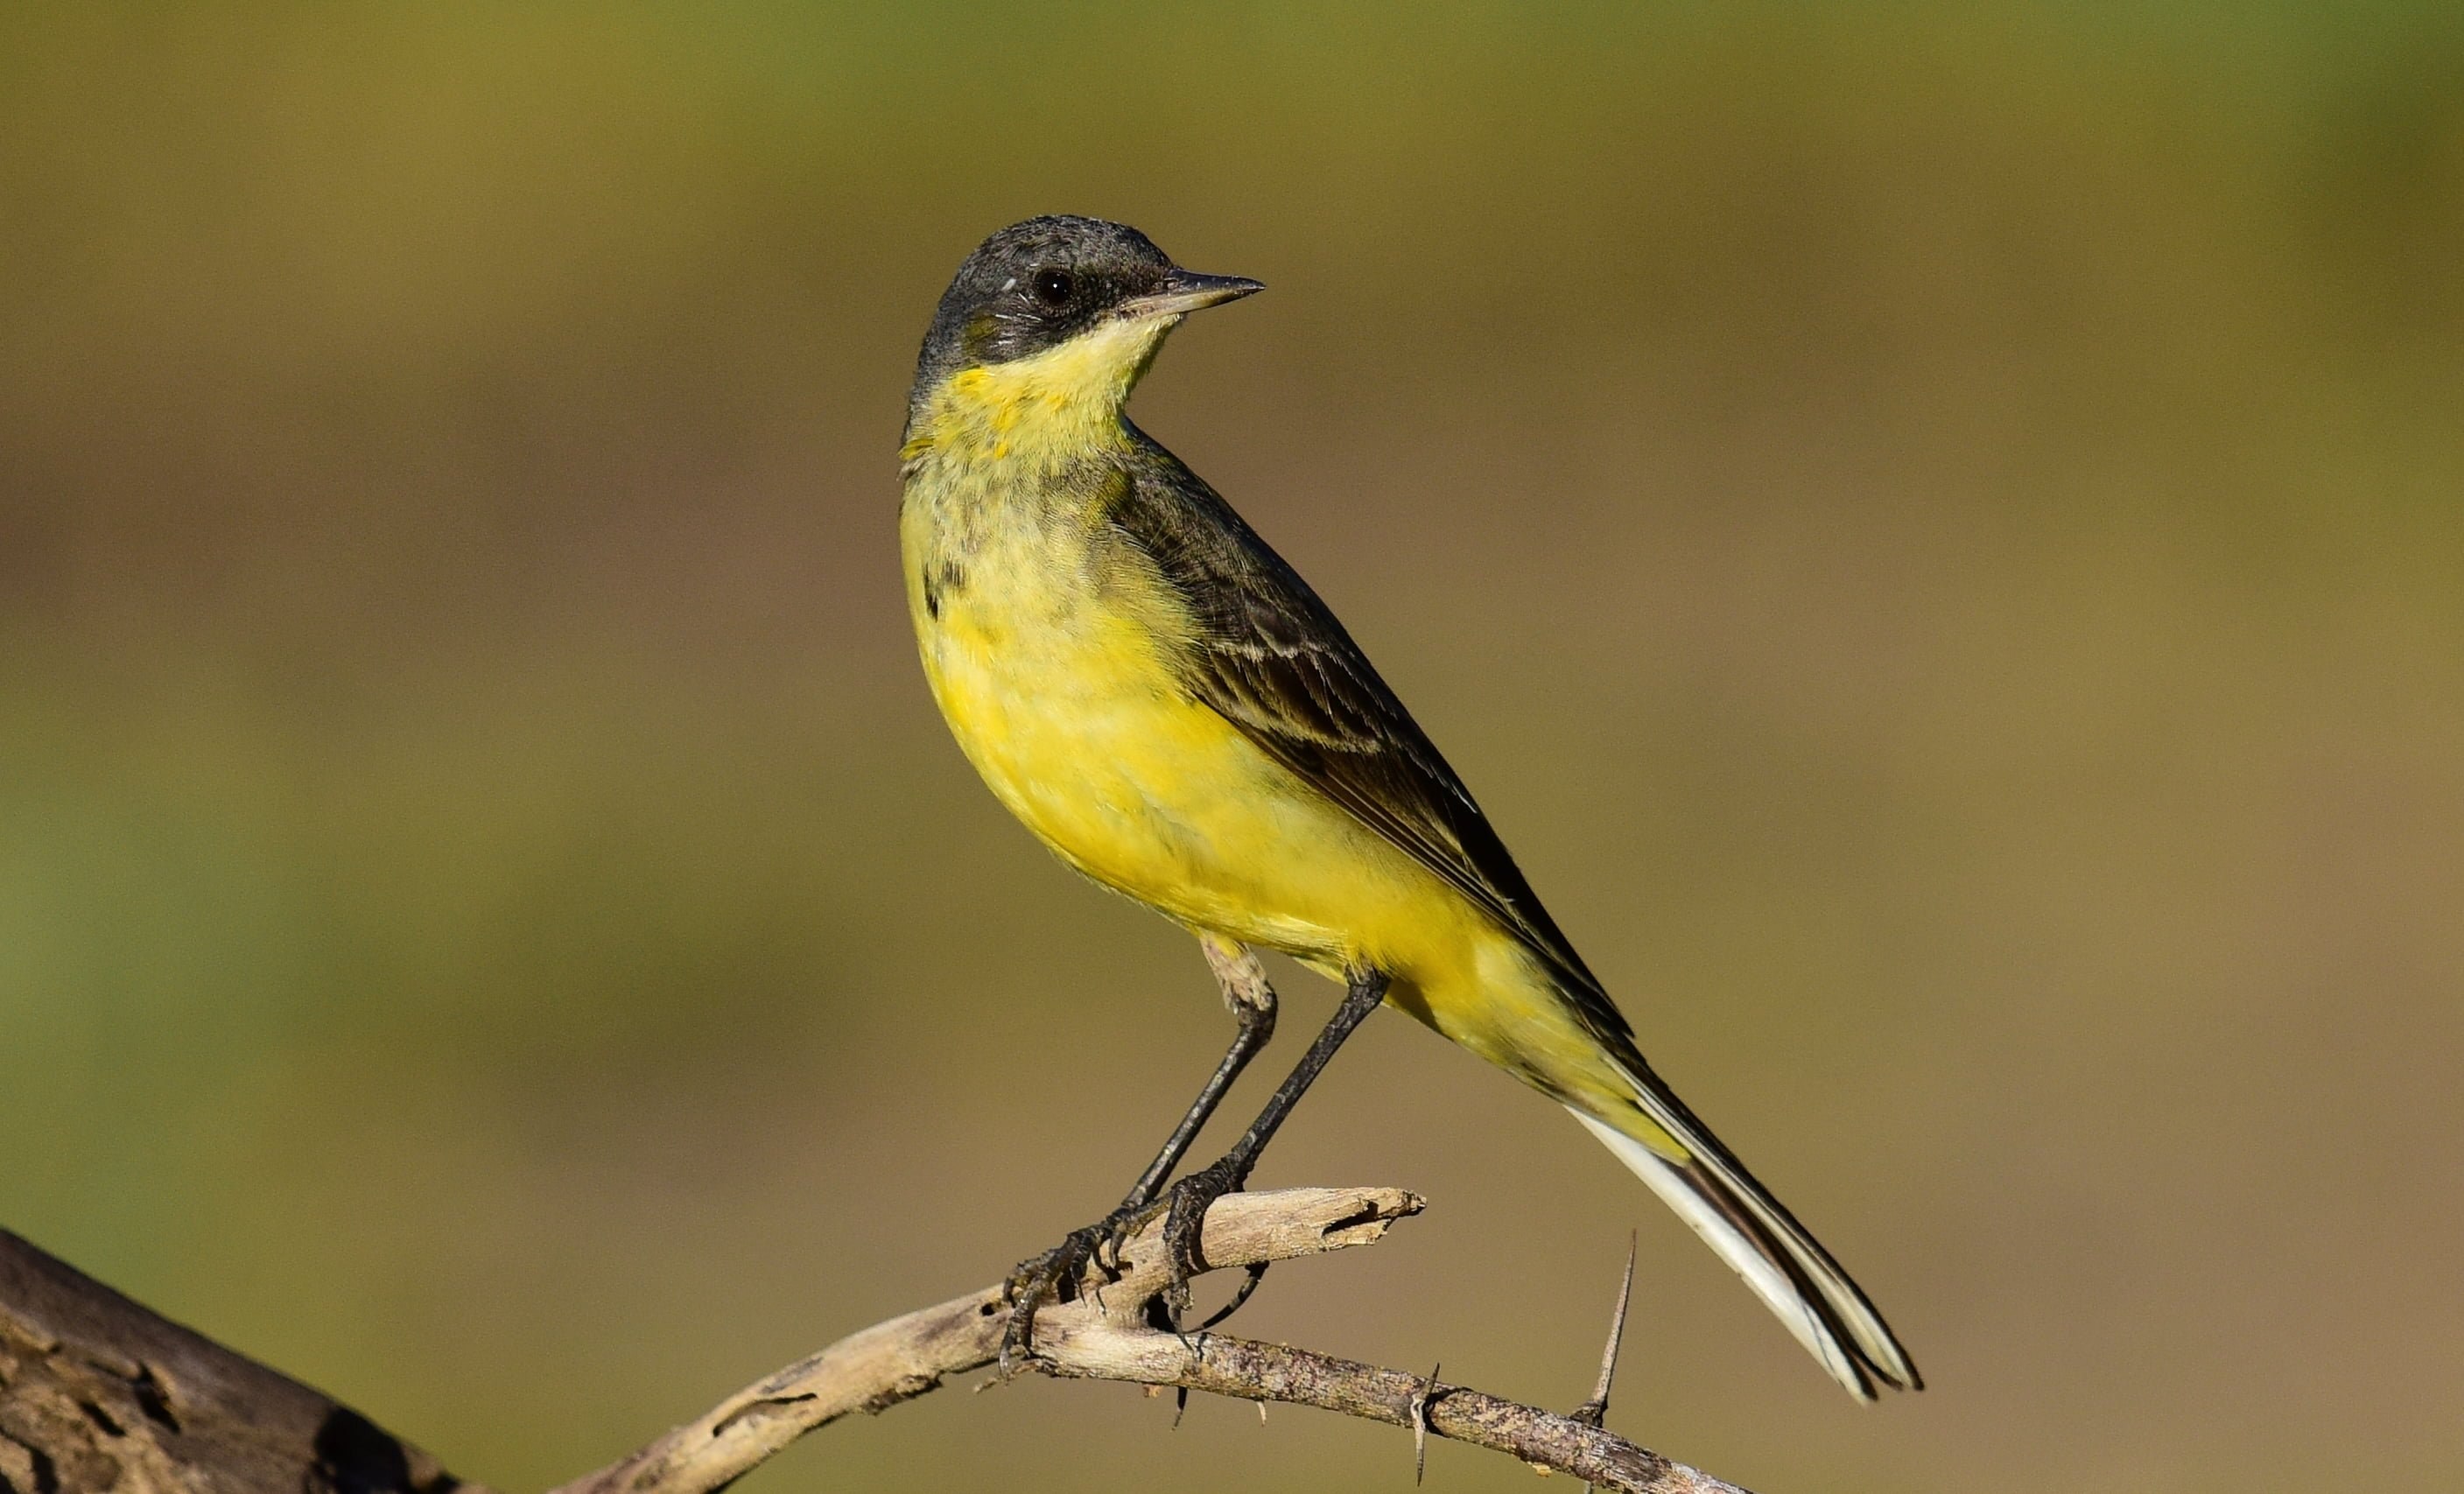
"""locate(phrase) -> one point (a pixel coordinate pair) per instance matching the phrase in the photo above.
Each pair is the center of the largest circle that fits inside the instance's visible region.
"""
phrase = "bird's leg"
(1252, 1001)
(1194, 1194)
(1056, 1271)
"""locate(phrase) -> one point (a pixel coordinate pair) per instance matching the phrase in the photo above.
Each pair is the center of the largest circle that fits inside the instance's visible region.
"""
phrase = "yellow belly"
(1059, 692)
(1076, 726)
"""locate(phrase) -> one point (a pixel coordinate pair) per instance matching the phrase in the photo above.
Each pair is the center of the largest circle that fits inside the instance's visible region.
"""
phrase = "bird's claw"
(1060, 1274)
(1184, 1226)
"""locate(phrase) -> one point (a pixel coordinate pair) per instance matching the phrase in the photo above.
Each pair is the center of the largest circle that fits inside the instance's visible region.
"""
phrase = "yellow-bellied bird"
(1172, 709)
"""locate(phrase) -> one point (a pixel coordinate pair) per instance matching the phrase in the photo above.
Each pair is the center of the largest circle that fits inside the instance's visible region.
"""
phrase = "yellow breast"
(1057, 686)
(1051, 650)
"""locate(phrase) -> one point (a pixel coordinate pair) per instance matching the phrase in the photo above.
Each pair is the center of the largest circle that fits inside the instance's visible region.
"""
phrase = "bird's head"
(1047, 326)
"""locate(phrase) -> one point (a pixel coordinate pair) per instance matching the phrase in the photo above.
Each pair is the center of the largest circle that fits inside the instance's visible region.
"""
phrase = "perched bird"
(1172, 709)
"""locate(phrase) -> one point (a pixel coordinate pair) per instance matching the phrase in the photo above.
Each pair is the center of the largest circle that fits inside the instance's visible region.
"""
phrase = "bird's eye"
(1055, 287)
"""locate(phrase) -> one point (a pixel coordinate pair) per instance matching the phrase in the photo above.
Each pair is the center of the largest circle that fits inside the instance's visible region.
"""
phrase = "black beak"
(1185, 291)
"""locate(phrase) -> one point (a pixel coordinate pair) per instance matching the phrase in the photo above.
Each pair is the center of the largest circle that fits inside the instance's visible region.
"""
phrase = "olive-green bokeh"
(1938, 534)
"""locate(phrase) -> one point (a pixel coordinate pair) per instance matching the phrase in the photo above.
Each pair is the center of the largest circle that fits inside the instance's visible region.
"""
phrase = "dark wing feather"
(1271, 658)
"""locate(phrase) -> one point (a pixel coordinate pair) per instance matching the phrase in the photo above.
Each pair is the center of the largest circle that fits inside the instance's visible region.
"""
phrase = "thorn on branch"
(1420, 1409)
(1595, 1411)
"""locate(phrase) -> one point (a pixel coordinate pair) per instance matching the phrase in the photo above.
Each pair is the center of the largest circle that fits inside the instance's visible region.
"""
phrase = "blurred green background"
(1937, 531)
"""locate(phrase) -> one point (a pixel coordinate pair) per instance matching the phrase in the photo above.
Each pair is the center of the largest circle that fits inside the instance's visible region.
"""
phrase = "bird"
(1174, 712)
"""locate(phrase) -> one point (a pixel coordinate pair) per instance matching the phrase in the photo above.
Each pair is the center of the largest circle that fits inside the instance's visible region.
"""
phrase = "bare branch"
(907, 1356)
(1105, 1335)
(1246, 1369)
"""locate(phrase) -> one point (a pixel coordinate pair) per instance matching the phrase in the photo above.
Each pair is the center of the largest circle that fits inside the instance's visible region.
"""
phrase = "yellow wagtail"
(1172, 709)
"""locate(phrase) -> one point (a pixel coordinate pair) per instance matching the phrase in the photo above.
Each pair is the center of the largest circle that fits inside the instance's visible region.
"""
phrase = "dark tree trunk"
(97, 1393)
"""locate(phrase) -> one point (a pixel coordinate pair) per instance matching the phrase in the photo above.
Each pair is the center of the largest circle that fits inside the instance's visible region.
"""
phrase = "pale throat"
(1049, 407)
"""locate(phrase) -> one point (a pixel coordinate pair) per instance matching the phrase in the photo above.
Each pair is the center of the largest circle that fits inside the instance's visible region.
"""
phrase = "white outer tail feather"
(1819, 1332)
(1768, 1282)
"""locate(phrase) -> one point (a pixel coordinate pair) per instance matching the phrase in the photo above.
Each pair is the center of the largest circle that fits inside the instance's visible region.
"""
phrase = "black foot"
(1059, 1275)
(1185, 1254)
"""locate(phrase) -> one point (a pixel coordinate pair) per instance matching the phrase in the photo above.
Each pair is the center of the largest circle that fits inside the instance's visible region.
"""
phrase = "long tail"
(1693, 1174)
